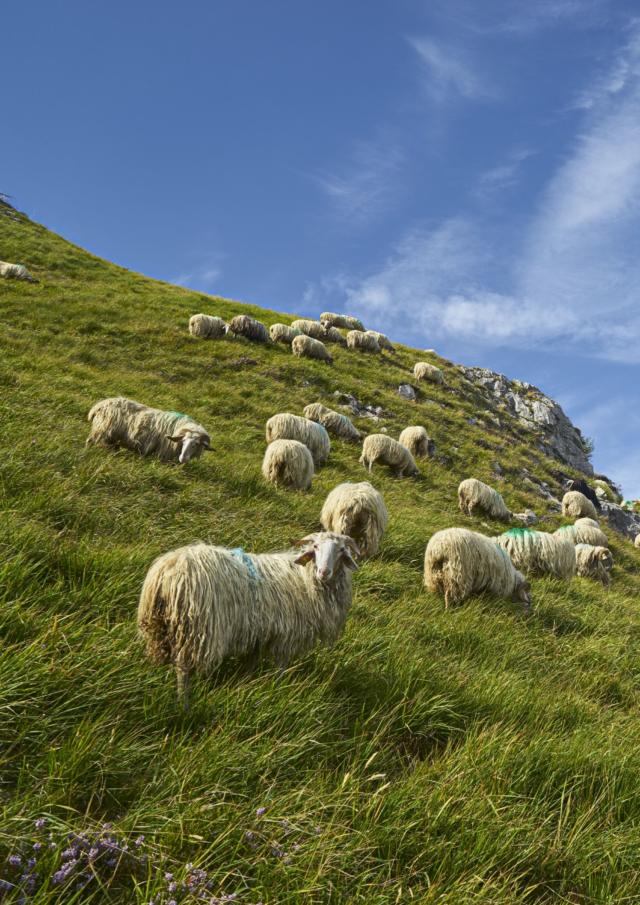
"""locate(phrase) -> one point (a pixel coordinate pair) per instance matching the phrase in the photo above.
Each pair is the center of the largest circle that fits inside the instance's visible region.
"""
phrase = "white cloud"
(502, 177)
(623, 71)
(450, 72)
(203, 277)
(522, 19)
(369, 185)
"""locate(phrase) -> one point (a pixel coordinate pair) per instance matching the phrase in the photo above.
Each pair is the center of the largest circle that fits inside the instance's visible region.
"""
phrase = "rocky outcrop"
(559, 437)
(621, 520)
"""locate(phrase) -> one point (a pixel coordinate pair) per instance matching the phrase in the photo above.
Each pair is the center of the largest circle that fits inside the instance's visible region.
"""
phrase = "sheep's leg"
(184, 686)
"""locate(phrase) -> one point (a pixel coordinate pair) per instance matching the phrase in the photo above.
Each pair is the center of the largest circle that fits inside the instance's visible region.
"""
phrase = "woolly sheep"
(207, 326)
(594, 562)
(380, 448)
(201, 604)
(366, 342)
(307, 347)
(170, 436)
(286, 426)
(331, 335)
(538, 553)
(249, 327)
(16, 272)
(314, 329)
(592, 522)
(605, 491)
(335, 423)
(422, 370)
(383, 341)
(582, 487)
(357, 510)
(417, 441)
(288, 463)
(476, 498)
(459, 562)
(583, 534)
(576, 505)
(328, 319)
(282, 333)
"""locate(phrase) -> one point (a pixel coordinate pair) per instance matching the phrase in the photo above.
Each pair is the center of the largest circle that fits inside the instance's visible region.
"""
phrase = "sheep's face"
(605, 557)
(192, 445)
(328, 551)
(522, 593)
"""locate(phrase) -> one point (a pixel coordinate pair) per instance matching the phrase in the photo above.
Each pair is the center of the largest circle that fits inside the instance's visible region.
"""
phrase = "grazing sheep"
(459, 562)
(383, 341)
(357, 510)
(306, 347)
(416, 440)
(594, 562)
(583, 534)
(251, 329)
(288, 463)
(282, 333)
(170, 436)
(582, 487)
(314, 329)
(16, 272)
(539, 553)
(201, 604)
(422, 370)
(335, 423)
(365, 342)
(207, 326)
(576, 505)
(636, 542)
(605, 491)
(380, 448)
(286, 426)
(476, 498)
(593, 523)
(331, 335)
(345, 321)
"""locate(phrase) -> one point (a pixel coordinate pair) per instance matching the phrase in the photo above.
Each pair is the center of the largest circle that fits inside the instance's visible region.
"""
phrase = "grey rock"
(528, 517)
(559, 437)
(407, 392)
(375, 412)
(621, 520)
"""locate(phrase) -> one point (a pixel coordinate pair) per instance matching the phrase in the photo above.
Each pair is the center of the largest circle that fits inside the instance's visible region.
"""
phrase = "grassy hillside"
(431, 756)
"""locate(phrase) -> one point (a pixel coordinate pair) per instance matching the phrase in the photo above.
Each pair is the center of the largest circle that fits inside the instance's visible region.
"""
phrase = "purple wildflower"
(172, 902)
(139, 841)
(93, 853)
(69, 853)
(14, 860)
(6, 886)
(249, 835)
(168, 877)
(172, 887)
(37, 846)
(40, 822)
(260, 812)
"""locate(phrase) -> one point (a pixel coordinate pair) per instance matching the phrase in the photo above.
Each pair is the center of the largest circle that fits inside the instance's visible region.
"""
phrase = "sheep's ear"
(354, 547)
(349, 561)
(305, 557)
(174, 439)
(206, 445)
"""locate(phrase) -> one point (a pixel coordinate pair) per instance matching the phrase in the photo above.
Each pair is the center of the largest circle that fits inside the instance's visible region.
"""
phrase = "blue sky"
(464, 174)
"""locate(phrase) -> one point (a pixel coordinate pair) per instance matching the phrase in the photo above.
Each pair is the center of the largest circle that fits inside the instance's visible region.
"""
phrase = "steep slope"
(464, 756)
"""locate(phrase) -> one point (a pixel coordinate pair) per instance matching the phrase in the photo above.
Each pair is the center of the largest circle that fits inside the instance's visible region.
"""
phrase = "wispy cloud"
(524, 19)
(502, 177)
(368, 187)
(624, 71)
(450, 72)
(204, 276)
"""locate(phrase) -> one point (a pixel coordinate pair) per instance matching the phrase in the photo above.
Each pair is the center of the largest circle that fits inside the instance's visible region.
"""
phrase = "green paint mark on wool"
(178, 415)
(518, 532)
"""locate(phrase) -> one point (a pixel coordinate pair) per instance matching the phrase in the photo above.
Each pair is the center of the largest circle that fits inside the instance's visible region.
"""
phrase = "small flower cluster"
(78, 860)
(279, 839)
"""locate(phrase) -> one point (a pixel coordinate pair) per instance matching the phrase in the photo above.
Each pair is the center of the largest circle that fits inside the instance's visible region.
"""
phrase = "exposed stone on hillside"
(559, 437)
(621, 520)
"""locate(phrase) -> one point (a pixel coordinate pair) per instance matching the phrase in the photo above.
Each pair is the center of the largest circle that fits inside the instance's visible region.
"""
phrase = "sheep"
(383, 341)
(328, 319)
(251, 329)
(476, 498)
(282, 333)
(380, 448)
(605, 491)
(636, 542)
(286, 426)
(207, 326)
(201, 604)
(366, 342)
(288, 463)
(307, 347)
(357, 510)
(594, 562)
(418, 443)
(459, 562)
(335, 423)
(583, 534)
(538, 553)
(576, 505)
(16, 272)
(582, 487)
(314, 329)
(422, 370)
(331, 335)
(151, 432)
(593, 523)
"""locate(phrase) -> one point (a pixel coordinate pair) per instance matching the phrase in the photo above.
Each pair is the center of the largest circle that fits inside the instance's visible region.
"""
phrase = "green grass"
(467, 756)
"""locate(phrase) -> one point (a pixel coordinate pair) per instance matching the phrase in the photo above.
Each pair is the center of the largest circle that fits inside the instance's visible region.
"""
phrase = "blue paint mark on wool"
(247, 561)
(178, 414)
